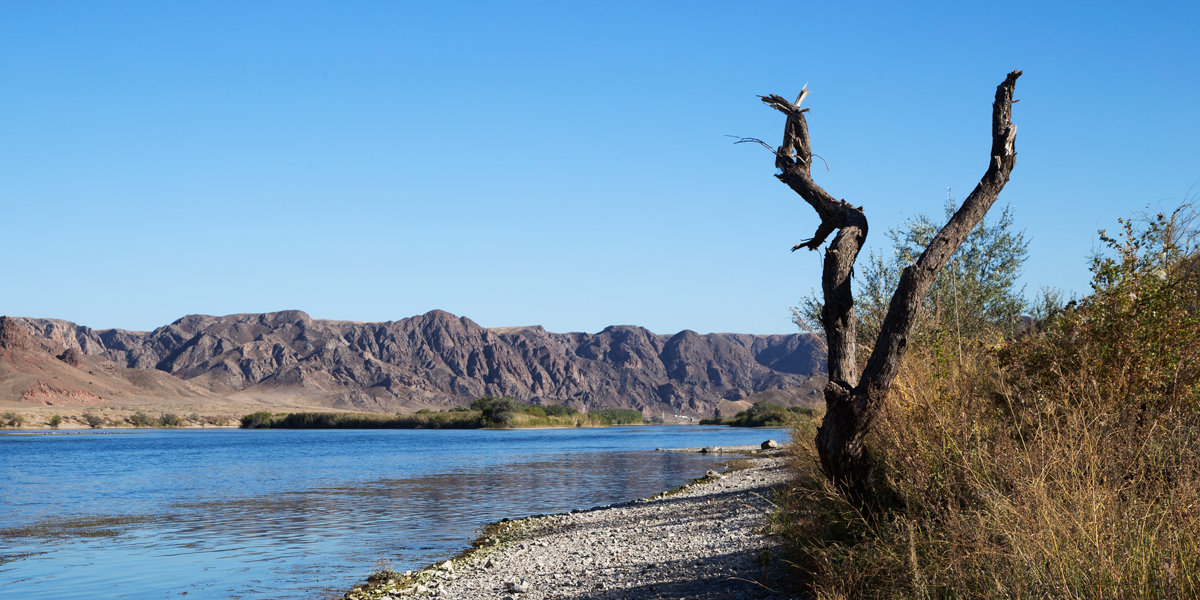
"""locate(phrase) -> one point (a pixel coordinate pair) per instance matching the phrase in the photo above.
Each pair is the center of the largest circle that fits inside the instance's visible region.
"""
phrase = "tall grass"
(1065, 464)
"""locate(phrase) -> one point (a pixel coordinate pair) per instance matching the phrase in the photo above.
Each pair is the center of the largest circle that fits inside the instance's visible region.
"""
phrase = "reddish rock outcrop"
(438, 359)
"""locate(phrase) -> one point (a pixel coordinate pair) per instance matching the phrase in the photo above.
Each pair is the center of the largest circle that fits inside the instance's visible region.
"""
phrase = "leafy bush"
(93, 421)
(140, 419)
(495, 412)
(257, 420)
(13, 419)
(559, 410)
(170, 420)
(769, 414)
(618, 416)
(430, 420)
(55, 421)
(974, 297)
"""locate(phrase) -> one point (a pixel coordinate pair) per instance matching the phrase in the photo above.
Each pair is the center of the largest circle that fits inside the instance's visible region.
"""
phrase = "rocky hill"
(434, 360)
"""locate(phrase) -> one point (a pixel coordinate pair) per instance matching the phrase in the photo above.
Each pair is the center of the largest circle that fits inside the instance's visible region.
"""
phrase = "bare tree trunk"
(852, 401)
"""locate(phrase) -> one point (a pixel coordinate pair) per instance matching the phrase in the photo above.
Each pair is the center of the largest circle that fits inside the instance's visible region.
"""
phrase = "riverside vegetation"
(769, 414)
(488, 411)
(1056, 460)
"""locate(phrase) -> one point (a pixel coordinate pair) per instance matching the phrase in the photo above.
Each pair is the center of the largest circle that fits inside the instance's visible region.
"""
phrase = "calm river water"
(299, 514)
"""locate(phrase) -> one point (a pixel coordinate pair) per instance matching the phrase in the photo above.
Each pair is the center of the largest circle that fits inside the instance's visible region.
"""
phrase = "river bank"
(703, 540)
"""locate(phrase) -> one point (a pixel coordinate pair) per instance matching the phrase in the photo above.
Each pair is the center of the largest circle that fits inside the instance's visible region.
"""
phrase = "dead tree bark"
(852, 400)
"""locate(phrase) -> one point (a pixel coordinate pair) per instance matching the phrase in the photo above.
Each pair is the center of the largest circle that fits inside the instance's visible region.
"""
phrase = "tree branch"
(897, 326)
(794, 160)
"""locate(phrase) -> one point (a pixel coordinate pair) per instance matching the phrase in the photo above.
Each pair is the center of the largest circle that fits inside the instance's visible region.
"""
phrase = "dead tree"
(853, 398)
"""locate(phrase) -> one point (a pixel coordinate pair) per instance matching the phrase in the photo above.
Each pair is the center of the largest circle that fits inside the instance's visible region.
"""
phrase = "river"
(299, 514)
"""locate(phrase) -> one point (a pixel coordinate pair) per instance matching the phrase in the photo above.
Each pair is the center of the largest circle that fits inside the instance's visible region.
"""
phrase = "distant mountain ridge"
(440, 360)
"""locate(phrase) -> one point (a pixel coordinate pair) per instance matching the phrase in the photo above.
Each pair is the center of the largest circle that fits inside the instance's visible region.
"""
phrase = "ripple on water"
(295, 514)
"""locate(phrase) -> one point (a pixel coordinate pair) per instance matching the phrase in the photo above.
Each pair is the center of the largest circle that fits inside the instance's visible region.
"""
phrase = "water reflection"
(288, 538)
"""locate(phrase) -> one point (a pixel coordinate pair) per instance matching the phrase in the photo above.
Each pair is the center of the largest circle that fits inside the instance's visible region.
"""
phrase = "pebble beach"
(704, 540)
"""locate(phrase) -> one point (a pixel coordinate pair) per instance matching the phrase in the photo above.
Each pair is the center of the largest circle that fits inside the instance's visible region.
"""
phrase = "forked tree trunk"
(852, 399)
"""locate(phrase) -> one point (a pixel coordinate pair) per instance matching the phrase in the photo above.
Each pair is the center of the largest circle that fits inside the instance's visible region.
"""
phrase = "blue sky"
(563, 164)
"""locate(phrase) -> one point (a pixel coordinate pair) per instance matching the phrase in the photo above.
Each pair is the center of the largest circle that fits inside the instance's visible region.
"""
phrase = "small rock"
(517, 587)
(447, 566)
(707, 450)
(712, 473)
(489, 564)
(420, 589)
(770, 444)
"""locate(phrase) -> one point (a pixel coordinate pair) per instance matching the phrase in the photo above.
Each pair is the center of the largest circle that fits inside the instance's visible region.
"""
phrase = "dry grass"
(1062, 465)
(1079, 500)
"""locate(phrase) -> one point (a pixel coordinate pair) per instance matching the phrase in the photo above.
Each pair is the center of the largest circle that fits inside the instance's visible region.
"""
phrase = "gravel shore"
(704, 540)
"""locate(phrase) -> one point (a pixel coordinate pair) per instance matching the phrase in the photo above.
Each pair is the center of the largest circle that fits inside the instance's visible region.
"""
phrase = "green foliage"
(306, 420)
(93, 421)
(769, 414)
(13, 419)
(488, 411)
(1138, 335)
(559, 410)
(618, 416)
(974, 297)
(258, 420)
(55, 421)
(495, 411)
(170, 420)
(140, 419)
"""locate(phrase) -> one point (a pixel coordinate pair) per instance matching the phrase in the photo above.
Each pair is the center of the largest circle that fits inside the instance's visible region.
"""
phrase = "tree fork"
(852, 400)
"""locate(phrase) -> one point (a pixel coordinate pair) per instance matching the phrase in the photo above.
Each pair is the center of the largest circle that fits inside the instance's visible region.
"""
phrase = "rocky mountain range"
(435, 360)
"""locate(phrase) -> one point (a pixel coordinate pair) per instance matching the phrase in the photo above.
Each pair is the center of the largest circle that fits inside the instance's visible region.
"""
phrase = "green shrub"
(618, 416)
(140, 419)
(763, 414)
(429, 420)
(495, 412)
(259, 419)
(559, 410)
(55, 421)
(93, 421)
(170, 420)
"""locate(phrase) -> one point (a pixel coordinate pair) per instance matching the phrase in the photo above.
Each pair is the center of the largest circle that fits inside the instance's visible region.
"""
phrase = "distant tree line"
(496, 412)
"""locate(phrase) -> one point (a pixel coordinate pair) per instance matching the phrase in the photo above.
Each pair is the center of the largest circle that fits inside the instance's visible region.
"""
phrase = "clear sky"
(554, 163)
